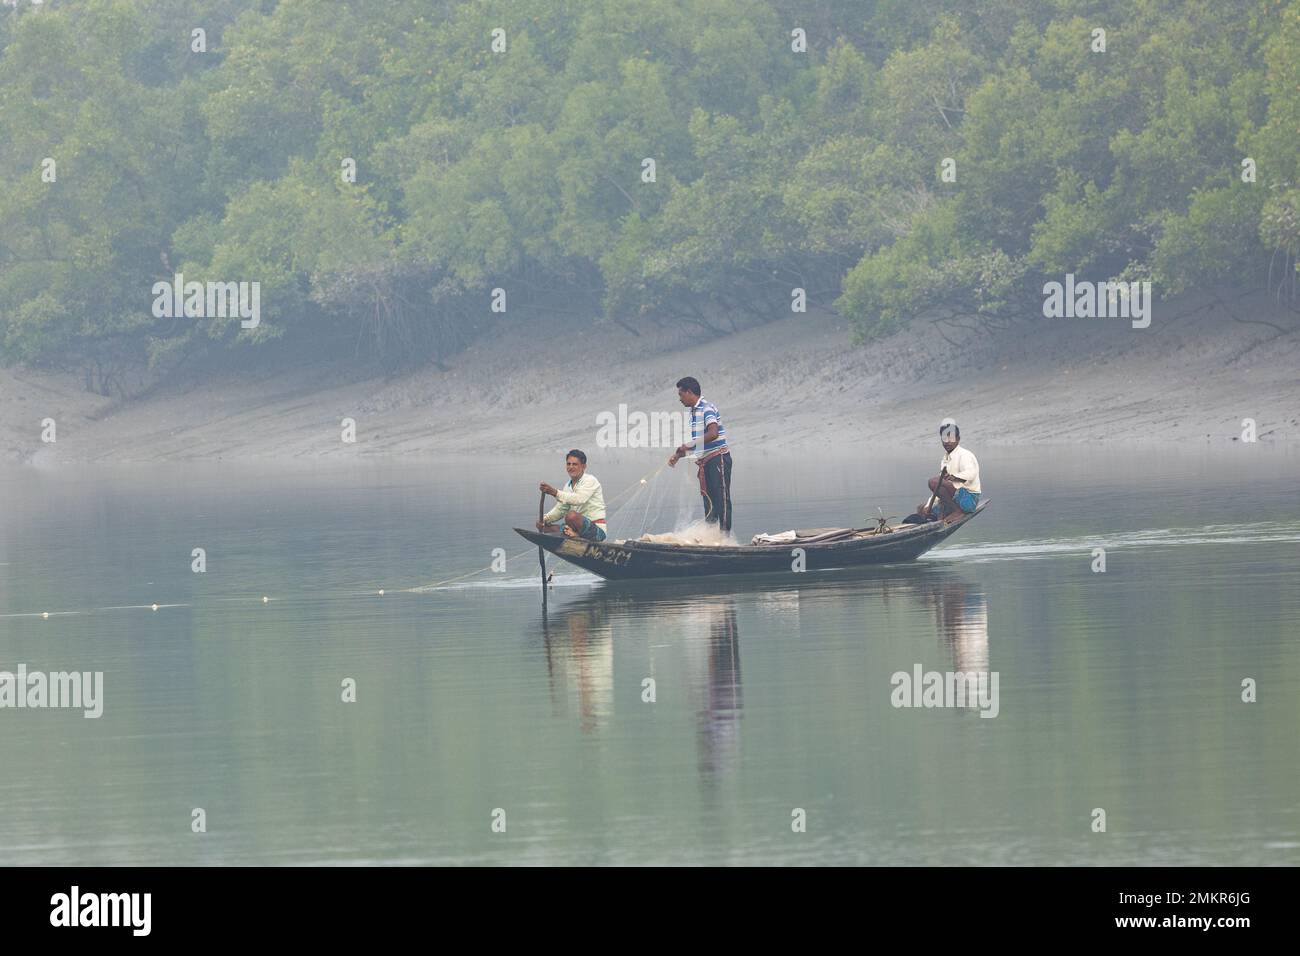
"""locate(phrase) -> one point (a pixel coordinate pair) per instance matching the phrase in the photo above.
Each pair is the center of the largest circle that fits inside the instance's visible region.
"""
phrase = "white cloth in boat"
(961, 464)
(808, 534)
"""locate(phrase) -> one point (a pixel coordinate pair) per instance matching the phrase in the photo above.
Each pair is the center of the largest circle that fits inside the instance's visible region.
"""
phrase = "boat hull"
(640, 560)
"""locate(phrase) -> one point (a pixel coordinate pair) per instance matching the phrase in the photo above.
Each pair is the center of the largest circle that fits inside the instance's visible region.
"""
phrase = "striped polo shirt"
(703, 414)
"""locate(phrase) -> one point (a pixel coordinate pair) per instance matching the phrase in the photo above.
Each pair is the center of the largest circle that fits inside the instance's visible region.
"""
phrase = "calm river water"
(1119, 691)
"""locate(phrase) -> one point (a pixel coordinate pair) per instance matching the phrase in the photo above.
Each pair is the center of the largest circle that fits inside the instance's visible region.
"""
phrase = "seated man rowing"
(958, 484)
(579, 505)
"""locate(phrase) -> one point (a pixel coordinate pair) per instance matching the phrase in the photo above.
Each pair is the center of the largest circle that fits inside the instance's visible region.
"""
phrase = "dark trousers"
(715, 489)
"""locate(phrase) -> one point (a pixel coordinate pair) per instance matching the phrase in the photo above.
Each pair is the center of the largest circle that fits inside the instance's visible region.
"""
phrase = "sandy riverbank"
(796, 382)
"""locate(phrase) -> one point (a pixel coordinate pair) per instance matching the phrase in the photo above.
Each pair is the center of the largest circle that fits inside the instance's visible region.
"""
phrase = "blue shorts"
(591, 531)
(966, 500)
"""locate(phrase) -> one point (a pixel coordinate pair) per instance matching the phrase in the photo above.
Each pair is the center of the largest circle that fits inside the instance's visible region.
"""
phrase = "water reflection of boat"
(718, 686)
(580, 658)
(700, 621)
(580, 661)
(961, 613)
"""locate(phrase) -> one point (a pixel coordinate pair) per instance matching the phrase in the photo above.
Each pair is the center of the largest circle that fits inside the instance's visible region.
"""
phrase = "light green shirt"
(585, 497)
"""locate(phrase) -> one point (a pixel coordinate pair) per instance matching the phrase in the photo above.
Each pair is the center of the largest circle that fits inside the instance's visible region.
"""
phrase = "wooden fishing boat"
(824, 550)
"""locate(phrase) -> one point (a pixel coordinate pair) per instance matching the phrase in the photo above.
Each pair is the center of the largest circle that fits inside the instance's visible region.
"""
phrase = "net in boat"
(698, 533)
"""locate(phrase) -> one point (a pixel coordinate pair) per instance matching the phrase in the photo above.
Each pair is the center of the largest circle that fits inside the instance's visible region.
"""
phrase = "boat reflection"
(717, 686)
(686, 635)
(580, 661)
(961, 614)
(686, 639)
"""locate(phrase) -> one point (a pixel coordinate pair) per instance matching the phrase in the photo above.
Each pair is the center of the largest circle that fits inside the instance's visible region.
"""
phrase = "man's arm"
(962, 468)
(710, 434)
(557, 511)
(584, 489)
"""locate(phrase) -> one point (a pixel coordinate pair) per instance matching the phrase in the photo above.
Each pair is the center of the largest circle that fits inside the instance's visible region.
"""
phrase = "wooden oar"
(541, 555)
(943, 473)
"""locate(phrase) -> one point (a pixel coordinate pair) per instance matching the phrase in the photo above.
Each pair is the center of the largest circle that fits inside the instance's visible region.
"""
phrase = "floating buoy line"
(636, 488)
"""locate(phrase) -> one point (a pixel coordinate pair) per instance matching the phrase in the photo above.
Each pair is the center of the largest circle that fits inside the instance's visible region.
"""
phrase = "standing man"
(958, 484)
(580, 503)
(712, 456)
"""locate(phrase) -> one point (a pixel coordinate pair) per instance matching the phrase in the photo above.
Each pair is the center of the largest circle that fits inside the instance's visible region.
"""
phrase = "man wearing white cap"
(958, 484)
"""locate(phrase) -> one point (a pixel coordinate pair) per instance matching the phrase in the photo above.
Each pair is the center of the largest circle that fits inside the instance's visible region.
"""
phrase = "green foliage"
(1274, 145)
(894, 282)
(1215, 240)
(523, 169)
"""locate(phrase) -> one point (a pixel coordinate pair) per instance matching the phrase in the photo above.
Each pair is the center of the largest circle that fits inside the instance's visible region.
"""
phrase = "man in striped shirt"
(712, 456)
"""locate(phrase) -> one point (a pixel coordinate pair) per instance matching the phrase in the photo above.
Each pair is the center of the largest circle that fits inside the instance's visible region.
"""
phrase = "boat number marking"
(601, 552)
